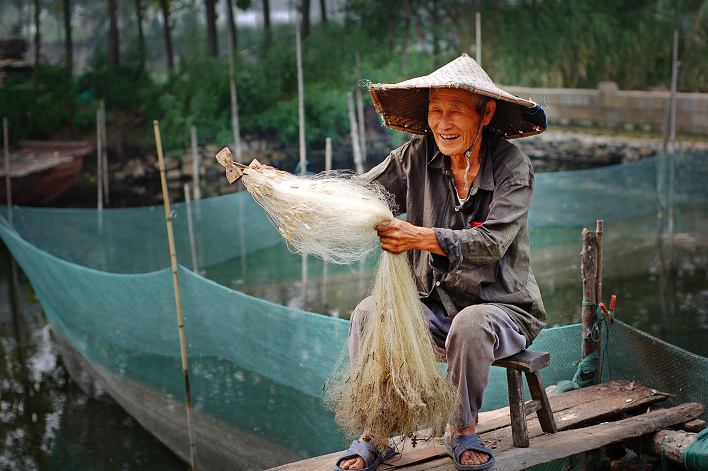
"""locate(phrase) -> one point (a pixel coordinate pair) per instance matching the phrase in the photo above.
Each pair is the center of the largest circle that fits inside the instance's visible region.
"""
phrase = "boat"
(40, 171)
(259, 356)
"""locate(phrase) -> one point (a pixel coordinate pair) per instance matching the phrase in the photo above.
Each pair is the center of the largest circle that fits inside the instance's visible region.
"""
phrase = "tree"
(211, 27)
(168, 36)
(113, 39)
(305, 11)
(233, 33)
(140, 14)
(67, 32)
(323, 11)
(37, 37)
(266, 14)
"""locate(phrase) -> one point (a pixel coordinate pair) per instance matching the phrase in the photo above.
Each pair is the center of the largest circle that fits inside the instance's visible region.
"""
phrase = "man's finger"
(383, 226)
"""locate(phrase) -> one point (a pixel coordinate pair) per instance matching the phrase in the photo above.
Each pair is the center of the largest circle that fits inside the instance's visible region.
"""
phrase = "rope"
(663, 447)
(588, 364)
(695, 456)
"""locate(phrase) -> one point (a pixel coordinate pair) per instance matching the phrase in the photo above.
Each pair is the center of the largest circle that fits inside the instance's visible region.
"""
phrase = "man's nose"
(446, 120)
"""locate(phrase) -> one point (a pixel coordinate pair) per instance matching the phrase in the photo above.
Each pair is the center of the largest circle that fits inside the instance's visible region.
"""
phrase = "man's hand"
(399, 236)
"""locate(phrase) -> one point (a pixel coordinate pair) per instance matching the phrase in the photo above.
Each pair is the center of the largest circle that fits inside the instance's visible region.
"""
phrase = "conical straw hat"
(404, 105)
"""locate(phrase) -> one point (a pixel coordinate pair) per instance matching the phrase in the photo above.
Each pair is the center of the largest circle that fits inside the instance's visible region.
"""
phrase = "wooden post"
(668, 443)
(588, 258)
(598, 295)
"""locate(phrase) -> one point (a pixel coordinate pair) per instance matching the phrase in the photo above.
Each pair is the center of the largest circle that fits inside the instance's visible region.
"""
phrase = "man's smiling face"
(454, 120)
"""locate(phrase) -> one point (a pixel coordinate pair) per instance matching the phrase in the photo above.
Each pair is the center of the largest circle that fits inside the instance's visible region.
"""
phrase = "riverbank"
(136, 181)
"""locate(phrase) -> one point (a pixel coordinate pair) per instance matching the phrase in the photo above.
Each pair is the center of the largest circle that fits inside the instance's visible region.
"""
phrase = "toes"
(475, 458)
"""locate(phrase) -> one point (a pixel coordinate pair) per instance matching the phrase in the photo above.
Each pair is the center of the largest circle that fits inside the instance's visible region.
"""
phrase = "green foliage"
(534, 43)
(36, 107)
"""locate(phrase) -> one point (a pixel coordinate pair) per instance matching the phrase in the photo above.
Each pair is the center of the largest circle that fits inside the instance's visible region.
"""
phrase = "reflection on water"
(46, 423)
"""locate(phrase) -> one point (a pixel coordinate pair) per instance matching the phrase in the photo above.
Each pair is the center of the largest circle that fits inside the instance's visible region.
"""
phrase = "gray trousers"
(469, 342)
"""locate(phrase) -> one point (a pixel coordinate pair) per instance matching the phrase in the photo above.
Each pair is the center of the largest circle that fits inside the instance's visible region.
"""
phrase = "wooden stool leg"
(538, 392)
(517, 411)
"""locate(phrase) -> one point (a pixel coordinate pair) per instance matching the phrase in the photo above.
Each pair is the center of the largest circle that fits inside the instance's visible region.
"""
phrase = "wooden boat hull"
(42, 170)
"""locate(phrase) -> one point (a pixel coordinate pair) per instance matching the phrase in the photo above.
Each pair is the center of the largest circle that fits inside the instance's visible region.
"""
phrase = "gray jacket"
(485, 239)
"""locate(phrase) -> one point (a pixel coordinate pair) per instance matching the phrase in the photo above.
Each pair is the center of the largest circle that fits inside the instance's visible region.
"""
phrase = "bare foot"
(353, 463)
(469, 457)
(356, 462)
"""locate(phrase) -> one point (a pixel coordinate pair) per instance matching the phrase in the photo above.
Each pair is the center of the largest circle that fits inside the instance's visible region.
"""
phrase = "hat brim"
(404, 105)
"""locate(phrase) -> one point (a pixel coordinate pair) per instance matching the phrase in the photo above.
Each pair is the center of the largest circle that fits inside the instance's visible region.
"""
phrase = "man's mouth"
(449, 137)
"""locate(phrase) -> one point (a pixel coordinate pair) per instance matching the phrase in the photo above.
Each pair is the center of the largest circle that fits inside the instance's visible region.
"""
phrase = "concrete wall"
(610, 108)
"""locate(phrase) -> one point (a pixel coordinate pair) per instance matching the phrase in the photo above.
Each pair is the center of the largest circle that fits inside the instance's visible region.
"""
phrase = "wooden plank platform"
(587, 419)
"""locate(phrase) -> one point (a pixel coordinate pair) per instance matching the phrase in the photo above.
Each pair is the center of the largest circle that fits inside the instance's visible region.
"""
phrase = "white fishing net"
(330, 215)
(395, 387)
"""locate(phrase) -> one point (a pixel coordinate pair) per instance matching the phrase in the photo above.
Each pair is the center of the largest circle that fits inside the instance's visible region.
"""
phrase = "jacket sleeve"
(392, 175)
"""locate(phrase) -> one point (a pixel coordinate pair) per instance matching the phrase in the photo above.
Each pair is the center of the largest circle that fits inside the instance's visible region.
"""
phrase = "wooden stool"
(529, 362)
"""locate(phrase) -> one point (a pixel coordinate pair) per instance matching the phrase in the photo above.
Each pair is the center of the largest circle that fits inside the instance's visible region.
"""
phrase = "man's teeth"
(450, 136)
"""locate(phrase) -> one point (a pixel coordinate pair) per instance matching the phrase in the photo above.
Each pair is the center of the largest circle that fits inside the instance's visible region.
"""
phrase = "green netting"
(257, 362)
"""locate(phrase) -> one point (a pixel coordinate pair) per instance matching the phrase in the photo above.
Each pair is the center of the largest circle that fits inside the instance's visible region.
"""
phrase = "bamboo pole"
(99, 159)
(360, 113)
(178, 297)
(303, 154)
(301, 99)
(14, 287)
(478, 37)
(8, 175)
(325, 268)
(99, 170)
(195, 166)
(670, 129)
(104, 153)
(234, 101)
(190, 227)
(358, 164)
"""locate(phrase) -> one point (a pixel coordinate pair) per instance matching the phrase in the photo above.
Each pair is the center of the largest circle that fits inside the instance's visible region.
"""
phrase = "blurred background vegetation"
(169, 59)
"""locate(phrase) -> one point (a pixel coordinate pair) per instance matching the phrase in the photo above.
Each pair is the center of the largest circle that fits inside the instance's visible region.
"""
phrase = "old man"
(466, 192)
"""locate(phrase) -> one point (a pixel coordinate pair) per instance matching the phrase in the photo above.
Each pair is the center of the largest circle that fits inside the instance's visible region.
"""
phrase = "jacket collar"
(485, 177)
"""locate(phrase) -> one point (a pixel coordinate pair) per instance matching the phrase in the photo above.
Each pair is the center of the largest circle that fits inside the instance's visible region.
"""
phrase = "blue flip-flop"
(458, 444)
(365, 450)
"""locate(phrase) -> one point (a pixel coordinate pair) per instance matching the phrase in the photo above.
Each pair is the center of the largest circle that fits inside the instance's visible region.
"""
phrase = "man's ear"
(489, 110)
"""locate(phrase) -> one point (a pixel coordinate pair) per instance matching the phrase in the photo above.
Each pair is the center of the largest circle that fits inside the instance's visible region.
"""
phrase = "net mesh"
(258, 361)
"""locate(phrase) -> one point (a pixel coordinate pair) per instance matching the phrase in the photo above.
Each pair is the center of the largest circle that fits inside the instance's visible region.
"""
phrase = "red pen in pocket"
(476, 223)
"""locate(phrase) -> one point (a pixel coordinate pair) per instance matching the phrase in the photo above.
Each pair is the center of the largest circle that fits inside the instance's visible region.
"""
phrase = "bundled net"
(395, 386)
(332, 215)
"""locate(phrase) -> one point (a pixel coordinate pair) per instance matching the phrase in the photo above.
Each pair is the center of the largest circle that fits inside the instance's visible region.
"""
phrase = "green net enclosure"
(259, 346)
